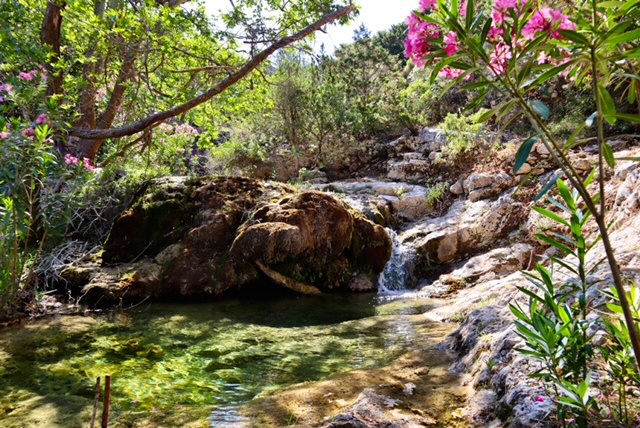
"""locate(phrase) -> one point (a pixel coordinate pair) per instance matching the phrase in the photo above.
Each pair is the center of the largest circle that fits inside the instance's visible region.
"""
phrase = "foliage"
(556, 325)
(436, 193)
(32, 211)
(517, 51)
(464, 135)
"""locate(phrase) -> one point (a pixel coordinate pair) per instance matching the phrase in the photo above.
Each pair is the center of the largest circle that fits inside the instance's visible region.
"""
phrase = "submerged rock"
(193, 237)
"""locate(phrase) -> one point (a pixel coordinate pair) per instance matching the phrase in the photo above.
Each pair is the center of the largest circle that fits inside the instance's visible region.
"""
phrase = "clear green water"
(191, 365)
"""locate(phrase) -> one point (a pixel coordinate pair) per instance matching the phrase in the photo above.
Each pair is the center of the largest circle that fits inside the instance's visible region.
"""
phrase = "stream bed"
(200, 365)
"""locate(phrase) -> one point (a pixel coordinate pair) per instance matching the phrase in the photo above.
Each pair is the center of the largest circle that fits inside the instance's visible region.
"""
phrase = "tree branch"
(253, 63)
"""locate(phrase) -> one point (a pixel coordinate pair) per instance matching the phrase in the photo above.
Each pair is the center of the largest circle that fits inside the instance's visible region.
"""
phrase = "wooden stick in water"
(107, 397)
(96, 399)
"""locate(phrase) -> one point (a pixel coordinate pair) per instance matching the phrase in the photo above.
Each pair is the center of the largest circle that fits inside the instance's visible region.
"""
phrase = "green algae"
(172, 365)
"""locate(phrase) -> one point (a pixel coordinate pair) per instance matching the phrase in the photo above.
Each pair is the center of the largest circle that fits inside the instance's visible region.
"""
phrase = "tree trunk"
(51, 33)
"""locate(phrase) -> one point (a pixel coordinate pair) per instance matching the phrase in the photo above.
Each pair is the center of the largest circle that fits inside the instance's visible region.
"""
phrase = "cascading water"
(396, 273)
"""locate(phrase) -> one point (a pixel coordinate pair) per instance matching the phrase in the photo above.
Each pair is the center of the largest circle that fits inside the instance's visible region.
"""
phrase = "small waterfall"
(396, 273)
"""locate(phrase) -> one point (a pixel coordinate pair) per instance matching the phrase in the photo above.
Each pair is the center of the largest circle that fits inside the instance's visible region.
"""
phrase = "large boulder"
(314, 238)
(195, 237)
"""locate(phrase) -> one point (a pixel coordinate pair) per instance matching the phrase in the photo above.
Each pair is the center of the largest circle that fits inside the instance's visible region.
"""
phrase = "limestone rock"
(407, 170)
(457, 188)
(484, 185)
(408, 201)
(524, 169)
(466, 228)
(372, 410)
(492, 265)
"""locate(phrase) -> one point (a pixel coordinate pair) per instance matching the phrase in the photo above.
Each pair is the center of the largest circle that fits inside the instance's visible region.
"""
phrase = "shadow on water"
(172, 363)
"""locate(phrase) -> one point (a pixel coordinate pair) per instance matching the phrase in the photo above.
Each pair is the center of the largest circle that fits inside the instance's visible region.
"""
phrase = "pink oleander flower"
(540, 399)
(5, 87)
(87, 164)
(450, 73)
(4, 135)
(28, 76)
(419, 35)
(463, 9)
(426, 5)
(547, 20)
(498, 17)
(543, 58)
(69, 159)
(499, 59)
(452, 44)
(504, 5)
(28, 133)
(41, 119)
(495, 34)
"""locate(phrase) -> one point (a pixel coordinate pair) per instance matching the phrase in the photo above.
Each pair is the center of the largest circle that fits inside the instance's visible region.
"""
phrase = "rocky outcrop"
(408, 202)
(197, 237)
(466, 228)
(486, 343)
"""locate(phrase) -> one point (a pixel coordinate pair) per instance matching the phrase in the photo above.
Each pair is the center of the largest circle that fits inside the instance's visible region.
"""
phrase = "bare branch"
(252, 64)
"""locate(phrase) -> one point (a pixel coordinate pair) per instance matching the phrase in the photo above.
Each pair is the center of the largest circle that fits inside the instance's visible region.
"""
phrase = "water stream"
(194, 365)
(394, 279)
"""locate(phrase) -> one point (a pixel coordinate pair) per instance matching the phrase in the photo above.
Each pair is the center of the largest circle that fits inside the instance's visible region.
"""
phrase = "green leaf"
(624, 37)
(540, 108)
(554, 243)
(523, 152)
(545, 189)
(567, 195)
(608, 155)
(635, 118)
(574, 36)
(608, 105)
(550, 214)
(546, 76)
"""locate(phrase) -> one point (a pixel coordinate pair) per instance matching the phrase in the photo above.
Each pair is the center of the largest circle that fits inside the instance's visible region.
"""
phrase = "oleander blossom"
(547, 20)
(495, 34)
(41, 119)
(27, 75)
(69, 159)
(417, 43)
(4, 135)
(499, 59)
(426, 5)
(87, 164)
(452, 44)
(451, 73)
(28, 133)
(6, 88)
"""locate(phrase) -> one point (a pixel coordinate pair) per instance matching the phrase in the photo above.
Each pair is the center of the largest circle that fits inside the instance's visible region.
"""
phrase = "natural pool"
(194, 365)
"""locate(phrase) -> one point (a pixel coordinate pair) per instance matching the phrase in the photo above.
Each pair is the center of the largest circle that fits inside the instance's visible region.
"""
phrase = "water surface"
(193, 365)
